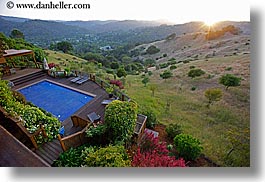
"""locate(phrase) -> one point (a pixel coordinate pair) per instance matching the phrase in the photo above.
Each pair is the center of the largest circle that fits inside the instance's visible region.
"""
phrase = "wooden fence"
(76, 139)
(20, 129)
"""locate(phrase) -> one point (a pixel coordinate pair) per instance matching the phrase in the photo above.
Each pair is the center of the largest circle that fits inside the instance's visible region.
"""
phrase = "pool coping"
(62, 85)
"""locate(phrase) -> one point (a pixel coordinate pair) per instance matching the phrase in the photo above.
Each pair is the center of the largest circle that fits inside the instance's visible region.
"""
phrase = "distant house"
(106, 48)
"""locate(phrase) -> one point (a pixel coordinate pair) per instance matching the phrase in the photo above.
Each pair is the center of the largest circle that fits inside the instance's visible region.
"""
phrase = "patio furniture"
(106, 102)
(12, 71)
(76, 79)
(82, 80)
(93, 117)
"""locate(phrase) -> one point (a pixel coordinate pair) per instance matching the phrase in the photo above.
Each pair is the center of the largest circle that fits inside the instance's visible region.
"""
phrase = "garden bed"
(202, 161)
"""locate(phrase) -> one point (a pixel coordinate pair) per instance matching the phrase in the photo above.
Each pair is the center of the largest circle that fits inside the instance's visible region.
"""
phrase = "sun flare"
(210, 23)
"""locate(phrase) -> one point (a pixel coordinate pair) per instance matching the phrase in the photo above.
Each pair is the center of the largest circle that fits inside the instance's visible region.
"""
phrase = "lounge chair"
(76, 79)
(93, 117)
(106, 102)
(82, 80)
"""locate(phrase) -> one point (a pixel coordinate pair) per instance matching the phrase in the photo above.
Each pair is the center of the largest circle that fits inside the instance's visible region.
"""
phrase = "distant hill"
(102, 33)
(40, 32)
(194, 46)
(14, 19)
(112, 25)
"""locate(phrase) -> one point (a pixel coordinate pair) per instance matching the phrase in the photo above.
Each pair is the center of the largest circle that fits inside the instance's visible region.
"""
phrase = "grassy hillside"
(60, 57)
(219, 127)
(224, 127)
(194, 46)
(70, 61)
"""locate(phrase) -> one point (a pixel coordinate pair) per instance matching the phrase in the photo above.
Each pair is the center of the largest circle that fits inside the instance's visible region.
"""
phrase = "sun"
(209, 22)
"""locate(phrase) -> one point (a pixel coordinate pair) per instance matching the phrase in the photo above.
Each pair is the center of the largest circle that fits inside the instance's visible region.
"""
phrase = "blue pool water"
(58, 100)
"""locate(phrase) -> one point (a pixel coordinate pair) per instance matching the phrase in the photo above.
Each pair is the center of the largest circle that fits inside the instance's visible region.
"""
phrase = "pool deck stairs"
(50, 151)
(27, 78)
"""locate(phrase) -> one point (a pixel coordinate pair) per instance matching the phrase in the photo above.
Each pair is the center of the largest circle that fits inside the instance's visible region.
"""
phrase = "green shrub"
(173, 130)
(152, 50)
(188, 147)
(166, 74)
(193, 88)
(213, 95)
(19, 97)
(150, 73)
(192, 67)
(31, 115)
(229, 80)
(195, 72)
(120, 119)
(163, 65)
(111, 156)
(151, 118)
(171, 59)
(173, 67)
(70, 158)
(96, 131)
(172, 62)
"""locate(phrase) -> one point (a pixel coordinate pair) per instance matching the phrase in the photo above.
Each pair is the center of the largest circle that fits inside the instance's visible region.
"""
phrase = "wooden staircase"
(29, 77)
(50, 151)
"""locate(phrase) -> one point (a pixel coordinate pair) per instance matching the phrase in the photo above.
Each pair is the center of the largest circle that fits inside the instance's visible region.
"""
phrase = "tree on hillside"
(93, 56)
(3, 47)
(213, 95)
(153, 88)
(229, 80)
(145, 80)
(114, 65)
(64, 46)
(121, 72)
(195, 72)
(166, 74)
(126, 59)
(149, 62)
(17, 34)
(152, 50)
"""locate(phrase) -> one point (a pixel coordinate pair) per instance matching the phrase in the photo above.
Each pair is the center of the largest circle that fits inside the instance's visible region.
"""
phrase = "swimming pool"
(62, 102)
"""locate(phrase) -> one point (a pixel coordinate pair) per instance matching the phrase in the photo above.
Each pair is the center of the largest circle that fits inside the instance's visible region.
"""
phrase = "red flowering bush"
(154, 159)
(51, 65)
(118, 83)
(153, 153)
(150, 143)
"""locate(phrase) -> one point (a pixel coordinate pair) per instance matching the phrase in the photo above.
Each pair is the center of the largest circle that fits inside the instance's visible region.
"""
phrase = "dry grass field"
(224, 127)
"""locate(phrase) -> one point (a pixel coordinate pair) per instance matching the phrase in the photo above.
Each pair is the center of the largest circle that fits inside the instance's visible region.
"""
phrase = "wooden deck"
(89, 87)
(51, 151)
(14, 154)
(20, 73)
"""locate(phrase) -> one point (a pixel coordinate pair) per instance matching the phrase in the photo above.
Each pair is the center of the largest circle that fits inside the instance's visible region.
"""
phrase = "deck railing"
(30, 136)
(103, 84)
(140, 127)
(77, 139)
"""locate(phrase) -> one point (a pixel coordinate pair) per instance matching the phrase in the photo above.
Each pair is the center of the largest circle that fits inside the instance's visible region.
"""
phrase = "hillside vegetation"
(224, 126)
(170, 78)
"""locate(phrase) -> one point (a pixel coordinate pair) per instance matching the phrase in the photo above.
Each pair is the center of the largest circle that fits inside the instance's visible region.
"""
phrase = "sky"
(175, 11)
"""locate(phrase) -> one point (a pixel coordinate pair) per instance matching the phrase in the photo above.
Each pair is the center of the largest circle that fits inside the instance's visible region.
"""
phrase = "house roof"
(13, 52)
